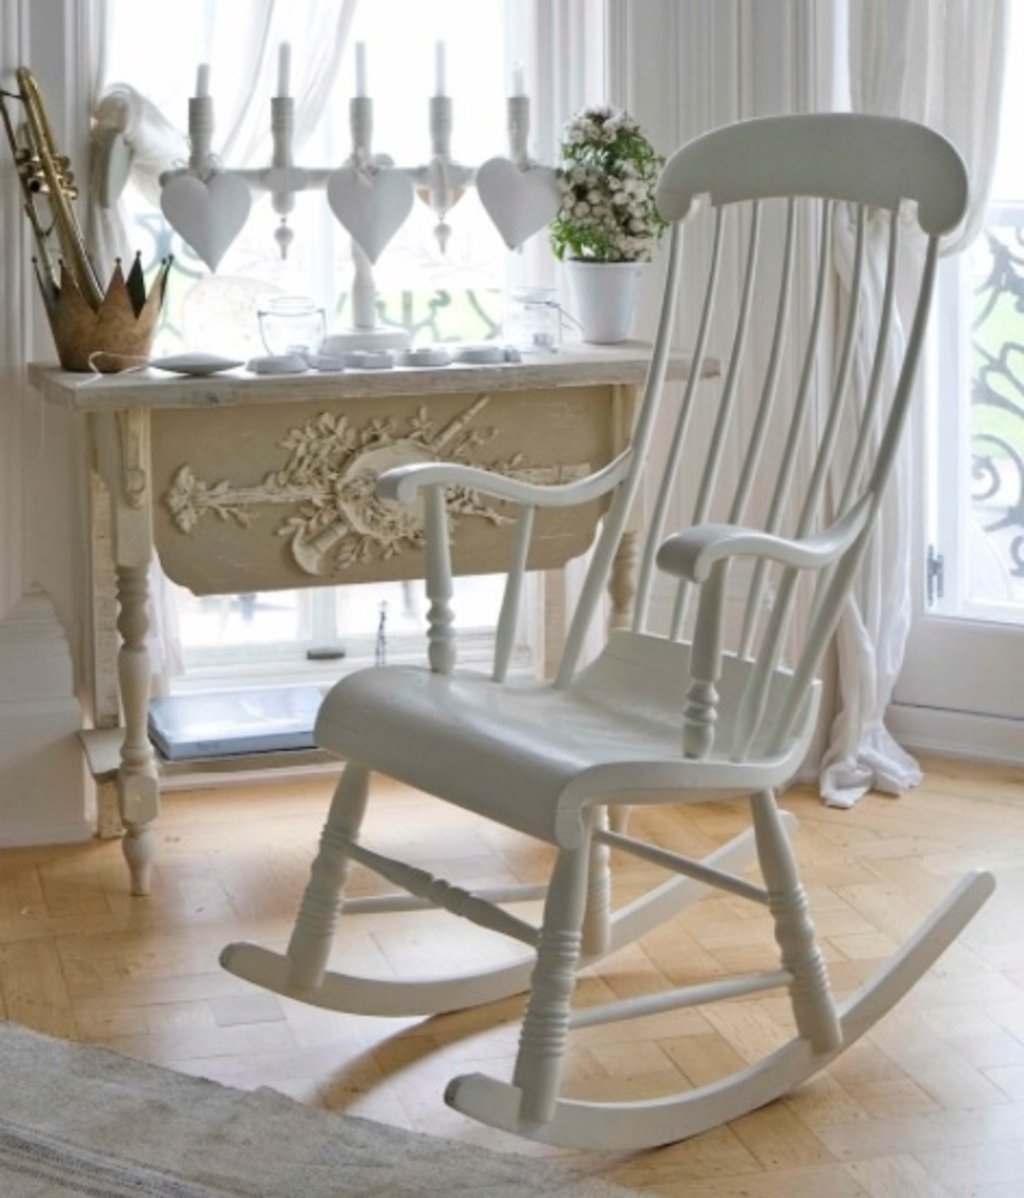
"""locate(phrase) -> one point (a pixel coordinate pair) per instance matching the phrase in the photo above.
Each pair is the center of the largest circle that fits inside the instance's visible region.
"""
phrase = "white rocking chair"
(692, 702)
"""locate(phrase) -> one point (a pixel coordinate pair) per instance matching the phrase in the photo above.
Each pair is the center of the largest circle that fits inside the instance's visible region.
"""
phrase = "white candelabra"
(208, 204)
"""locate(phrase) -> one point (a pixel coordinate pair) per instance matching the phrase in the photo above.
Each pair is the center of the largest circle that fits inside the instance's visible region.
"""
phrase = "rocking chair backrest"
(753, 450)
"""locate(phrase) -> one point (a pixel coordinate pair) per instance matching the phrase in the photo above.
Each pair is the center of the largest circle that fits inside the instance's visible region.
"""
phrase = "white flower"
(607, 209)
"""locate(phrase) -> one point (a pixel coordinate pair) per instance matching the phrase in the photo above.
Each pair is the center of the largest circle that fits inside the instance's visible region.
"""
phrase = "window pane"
(994, 580)
(455, 294)
(211, 621)
(996, 576)
(977, 565)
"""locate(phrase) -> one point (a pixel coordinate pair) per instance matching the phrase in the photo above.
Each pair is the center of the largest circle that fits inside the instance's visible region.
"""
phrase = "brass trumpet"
(94, 327)
(46, 174)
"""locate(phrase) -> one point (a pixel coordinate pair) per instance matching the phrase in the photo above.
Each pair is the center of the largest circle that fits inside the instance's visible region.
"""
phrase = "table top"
(573, 365)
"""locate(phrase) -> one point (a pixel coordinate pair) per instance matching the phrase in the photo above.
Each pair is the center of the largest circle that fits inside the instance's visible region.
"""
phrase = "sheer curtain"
(940, 62)
(317, 31)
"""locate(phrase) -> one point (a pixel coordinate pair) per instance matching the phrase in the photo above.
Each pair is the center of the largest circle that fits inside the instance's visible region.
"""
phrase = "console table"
(242, 482)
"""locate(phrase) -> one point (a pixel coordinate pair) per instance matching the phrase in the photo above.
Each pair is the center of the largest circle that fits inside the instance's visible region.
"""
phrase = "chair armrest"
(402, 483)
(691, 554)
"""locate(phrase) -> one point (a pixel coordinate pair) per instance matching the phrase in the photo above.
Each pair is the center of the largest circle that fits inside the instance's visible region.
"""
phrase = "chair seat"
(541, 752)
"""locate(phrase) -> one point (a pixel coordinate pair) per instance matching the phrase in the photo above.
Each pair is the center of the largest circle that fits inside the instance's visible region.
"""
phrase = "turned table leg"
(137, 783)
(622, 582)
(122, 452)
(622, 592)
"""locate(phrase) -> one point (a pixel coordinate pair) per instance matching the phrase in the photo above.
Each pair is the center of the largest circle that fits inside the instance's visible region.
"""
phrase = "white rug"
(83, 1122)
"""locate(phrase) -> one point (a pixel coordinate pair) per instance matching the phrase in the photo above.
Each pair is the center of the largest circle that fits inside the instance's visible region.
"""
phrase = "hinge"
(935, 575)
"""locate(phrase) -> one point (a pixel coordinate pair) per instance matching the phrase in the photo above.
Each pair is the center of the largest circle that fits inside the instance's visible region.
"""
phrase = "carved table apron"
(246, 483)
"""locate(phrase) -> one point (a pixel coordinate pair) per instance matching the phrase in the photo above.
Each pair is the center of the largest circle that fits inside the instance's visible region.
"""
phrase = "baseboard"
(957, 734)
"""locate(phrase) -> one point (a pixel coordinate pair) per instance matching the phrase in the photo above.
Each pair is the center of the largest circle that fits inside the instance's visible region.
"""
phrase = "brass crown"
(120, 329)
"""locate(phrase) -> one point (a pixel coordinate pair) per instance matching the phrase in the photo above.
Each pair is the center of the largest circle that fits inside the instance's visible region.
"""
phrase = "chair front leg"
(813, 1007)
(545, 1032)
(315, 924)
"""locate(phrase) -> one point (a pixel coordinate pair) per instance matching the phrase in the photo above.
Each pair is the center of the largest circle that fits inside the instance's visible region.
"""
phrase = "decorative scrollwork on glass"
(997, 389)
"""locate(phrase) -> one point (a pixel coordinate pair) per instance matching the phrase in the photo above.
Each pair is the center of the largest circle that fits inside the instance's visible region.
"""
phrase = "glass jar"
(533, 319)
(291, 324)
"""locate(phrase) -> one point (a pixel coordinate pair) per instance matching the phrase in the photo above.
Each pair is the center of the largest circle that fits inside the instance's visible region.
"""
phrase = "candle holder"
(208, 204)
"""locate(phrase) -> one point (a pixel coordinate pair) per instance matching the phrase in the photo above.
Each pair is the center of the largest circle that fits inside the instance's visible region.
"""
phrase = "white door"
(962, 686)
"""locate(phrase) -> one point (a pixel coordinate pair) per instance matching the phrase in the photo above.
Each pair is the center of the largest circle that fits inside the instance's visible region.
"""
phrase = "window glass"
(989, 583)
(454, 294)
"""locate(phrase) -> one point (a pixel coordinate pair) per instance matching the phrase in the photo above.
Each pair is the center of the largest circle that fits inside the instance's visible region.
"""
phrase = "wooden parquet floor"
(929, 1105)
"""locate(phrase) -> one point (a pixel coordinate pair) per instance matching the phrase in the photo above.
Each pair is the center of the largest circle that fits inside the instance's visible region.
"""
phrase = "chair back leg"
(597, 918)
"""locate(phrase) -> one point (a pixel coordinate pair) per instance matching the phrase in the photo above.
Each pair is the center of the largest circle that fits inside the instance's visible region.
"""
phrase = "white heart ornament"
(370, 205)
(518, 200)
(208, 214)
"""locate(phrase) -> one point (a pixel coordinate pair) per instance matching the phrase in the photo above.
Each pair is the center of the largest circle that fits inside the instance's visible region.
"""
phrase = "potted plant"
(608, 224)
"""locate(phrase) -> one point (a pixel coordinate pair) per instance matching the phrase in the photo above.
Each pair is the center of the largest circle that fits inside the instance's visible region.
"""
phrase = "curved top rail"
(841, 155)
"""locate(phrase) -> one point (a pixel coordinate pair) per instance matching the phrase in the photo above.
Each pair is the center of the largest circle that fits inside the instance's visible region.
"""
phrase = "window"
(450, 293)
(957, 691)
(977, 542)
(455, 294)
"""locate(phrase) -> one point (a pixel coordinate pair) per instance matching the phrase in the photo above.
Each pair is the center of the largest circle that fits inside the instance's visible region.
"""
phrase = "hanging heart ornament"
(519, 200)
(371, 205)
(209, 214)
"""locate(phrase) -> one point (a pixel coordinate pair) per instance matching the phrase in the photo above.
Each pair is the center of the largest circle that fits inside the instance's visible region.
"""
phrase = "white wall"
(43, 795)
(13, 40)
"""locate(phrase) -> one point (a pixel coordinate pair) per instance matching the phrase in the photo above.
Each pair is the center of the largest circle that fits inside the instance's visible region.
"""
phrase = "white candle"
(284, 64)
(203, 80)
(518, 84)
(360, 68)
(439, 69)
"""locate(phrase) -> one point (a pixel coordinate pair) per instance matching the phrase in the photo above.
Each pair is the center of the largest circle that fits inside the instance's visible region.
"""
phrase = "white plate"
(194, 364)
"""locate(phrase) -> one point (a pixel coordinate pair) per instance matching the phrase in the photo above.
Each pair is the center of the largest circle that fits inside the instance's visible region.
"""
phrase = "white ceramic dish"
(278, 364)
(487, 354)
(480, 355)
(194, 364)
(429, 355)
(327, 363)
(370, 359)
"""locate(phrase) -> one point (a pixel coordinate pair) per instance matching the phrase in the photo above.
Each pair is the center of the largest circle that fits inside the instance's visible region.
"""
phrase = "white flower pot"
(603, 297)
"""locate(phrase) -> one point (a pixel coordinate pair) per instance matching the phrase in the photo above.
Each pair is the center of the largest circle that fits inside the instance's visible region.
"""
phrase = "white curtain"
(245, 53)
(939, 62)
